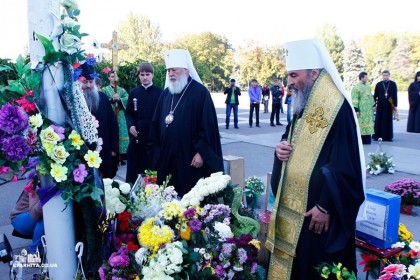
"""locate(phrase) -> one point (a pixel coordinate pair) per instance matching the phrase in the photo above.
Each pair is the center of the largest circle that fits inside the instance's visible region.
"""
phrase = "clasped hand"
(283, 150)
(319, 221)
(197, 161)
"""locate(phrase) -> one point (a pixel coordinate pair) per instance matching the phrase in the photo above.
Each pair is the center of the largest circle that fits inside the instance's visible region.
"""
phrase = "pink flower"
(76, 65)
(106, 70)
(4, 169)
(14, 178)
(118, 260)
(394, 269)
(80, 173)
(26, 105)
(30, 93)
(414, 254)
(29, 188)
(90, 55)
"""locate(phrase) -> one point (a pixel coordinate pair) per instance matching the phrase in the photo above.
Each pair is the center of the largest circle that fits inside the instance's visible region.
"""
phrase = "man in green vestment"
(320, 163)
(118, 98)
(363, 103)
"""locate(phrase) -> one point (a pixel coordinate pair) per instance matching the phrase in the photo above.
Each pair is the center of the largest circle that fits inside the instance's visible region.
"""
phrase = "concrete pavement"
(256, 146)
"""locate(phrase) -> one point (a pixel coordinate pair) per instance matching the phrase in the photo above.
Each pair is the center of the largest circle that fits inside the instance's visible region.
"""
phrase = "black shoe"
(279, 124)
(272, 124)
(236, 127)
(258, 126)
(250, 126)
(227, 127)
(122, 163)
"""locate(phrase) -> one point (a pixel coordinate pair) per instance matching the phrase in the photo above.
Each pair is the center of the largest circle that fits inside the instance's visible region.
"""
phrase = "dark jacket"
(276, 93)
(228, 91)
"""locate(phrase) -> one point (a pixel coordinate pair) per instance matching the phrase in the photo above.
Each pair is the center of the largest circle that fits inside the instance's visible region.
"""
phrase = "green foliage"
(143, 39)
(212, 55)
(128, 76)
(263, 63)
(24, 80)
(334, 45)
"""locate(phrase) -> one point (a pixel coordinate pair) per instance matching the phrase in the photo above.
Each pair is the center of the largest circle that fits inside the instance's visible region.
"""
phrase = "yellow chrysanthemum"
(35, 121)
(256, 243)
(153, 236)
(148, 190)
(173, 210)
(93, 159)
(404, 234)
(48, 135)
(58, 172)
(76, 139)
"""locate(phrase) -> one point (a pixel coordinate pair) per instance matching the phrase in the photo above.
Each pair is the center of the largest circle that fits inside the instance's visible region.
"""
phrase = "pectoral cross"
(115, 47)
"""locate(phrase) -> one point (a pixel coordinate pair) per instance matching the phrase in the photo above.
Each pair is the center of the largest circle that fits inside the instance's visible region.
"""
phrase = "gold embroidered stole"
(307, 136)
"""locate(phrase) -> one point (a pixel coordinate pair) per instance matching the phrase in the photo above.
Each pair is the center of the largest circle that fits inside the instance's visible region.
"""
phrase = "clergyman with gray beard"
(101, 108)
(184, 135)
(321, 187)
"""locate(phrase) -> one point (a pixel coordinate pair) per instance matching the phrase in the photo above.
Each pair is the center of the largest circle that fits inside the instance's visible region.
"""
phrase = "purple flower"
(190, 212)
(76, 74)
(242, 255)
(101, 272)
(219, 270)
(15, 148)
(118, 278)
(227, 249)
(91, 60)
(32, 162)
(30, 174)
(80, 173)
(59, 130)
(13, 119)
(253, 267)
(195, 225)
(116, 260)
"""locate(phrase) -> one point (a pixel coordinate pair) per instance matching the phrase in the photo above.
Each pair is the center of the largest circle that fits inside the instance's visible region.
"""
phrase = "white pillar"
(58, 219)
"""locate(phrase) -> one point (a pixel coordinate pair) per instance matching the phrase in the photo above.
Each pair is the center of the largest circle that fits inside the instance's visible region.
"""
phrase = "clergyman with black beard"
(184, 135)
(318, 173)
(101, 108)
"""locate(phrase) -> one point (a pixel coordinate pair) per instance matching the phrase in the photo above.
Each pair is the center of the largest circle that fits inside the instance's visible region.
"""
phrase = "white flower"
(119, 207)
(69, 22)
(59, 154)
(35, 121)
(398, 245)
(223, 230)
(115, 192)
(141, 255)
(69, 43)
(415, 246)
(202, 251)
(107, 181)
(125, 188)
(69, 4)
(414, 271)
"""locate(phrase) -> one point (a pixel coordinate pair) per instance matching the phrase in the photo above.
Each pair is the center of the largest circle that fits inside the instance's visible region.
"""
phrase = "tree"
(353, 64)
(377, 48)
(334, 44)
(263, 63)
(143, 38)
(212, 55)
(401, 65)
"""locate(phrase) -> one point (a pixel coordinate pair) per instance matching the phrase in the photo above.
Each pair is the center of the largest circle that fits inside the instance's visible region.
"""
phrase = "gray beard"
(300, 98)
(177, 86)
(92, 99)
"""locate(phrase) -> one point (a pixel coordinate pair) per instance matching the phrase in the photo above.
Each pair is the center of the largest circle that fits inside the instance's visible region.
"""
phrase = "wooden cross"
(115, 47)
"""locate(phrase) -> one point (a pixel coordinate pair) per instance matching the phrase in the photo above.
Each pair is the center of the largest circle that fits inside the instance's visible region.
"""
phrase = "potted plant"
(409, 190)
(380, 163)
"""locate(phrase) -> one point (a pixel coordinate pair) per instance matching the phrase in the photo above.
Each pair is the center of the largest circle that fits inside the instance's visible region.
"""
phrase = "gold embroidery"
(316, 120)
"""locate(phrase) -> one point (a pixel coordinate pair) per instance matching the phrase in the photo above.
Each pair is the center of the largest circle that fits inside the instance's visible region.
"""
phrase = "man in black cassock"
(314, 215)
(185, 133)
(413, 123)
(386, 102)
(141, 106)
(101, 108)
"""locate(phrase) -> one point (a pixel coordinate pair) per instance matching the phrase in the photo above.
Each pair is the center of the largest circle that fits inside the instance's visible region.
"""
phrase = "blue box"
(383, 217)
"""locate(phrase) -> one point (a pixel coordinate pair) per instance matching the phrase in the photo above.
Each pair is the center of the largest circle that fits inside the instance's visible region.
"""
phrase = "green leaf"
(96, 194)
(51, 55)
(5, 68)
(195, 256)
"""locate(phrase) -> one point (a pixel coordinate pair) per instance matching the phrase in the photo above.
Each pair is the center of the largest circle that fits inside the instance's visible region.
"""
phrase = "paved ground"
(255, 145)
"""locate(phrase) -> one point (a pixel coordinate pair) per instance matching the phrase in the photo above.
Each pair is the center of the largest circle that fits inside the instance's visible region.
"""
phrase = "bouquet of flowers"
(408, 189)
(253, 189)
(198, 233)
(403, 265)
(120, 265)
(380, 163)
